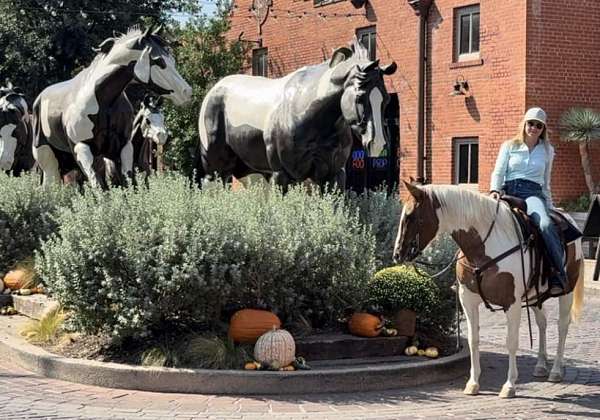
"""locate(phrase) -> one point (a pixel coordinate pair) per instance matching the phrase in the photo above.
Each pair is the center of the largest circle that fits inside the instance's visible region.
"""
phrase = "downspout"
(421, 8)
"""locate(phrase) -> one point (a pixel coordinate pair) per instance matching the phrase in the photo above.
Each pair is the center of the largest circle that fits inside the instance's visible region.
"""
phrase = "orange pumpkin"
(247, 325)
(15, 279)
(365, 325)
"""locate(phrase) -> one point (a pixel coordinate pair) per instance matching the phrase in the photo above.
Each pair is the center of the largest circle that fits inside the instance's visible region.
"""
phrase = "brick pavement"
(24, 395)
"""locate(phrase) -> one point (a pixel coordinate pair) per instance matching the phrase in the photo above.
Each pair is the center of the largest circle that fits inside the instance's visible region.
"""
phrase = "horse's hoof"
(540, 372)
(555, 377)
(507, 392)
(471, 389)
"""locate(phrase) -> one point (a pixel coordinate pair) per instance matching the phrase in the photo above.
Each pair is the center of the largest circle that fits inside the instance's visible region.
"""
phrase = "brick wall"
(563, 70)
(512, 74)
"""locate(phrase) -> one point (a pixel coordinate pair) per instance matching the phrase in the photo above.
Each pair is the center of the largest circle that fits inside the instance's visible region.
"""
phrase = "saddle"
(534, 240)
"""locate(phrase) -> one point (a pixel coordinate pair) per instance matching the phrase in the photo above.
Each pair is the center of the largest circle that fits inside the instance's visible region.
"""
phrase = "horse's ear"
(105, 47)
(159, 101)
(339, 55)
(415, 191)
(369, 66)
(158, 30)
(9, 84)
(390, 68)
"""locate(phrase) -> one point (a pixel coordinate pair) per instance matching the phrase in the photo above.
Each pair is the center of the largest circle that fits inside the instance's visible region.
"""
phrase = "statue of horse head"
(153, 64)
(151, 121)
(365, 97)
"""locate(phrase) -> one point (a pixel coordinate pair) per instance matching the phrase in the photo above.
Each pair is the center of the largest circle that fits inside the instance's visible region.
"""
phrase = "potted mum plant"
(402, 294)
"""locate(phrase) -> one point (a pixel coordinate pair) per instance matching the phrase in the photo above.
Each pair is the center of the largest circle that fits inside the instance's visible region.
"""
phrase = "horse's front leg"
(470, 304)
(48, 163)
(85, 159)
(564, 303)
(513, 317)
(541, 367)
(127, 162)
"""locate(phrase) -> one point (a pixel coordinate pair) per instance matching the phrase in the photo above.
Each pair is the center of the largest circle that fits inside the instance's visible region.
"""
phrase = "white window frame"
(458, 14)
(457, 143)
(369, 31)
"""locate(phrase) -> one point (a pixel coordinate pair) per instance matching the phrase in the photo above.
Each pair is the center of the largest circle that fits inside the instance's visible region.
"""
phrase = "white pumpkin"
(275, 347)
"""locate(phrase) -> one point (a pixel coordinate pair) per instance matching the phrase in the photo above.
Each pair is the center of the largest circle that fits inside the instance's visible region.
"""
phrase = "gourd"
(411, 350)
(365, 325)
(15, 279)
(276, 348)
(431, 352)
(247, 325)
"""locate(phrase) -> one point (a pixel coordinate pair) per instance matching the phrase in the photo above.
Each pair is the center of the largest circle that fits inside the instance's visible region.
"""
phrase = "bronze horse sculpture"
(296, 127)
(89, 117)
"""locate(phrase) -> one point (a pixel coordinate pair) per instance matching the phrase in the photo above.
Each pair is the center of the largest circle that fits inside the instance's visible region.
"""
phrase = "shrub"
(381, 212)
(26, 216)
(131, 261)
(580, 204)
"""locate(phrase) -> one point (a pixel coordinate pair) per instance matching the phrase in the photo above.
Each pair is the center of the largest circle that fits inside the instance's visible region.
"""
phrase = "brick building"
(512, 54)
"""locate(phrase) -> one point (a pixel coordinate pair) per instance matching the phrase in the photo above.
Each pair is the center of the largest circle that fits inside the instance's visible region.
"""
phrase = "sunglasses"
(535, 124)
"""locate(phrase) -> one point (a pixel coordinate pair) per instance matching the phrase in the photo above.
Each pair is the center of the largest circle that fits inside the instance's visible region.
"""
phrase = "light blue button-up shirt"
(515, 161)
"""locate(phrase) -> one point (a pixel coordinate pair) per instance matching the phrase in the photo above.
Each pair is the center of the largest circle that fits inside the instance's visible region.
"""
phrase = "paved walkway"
(25, 395)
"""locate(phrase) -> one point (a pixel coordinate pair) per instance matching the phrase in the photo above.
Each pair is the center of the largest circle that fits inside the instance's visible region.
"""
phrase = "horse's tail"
(577, 307)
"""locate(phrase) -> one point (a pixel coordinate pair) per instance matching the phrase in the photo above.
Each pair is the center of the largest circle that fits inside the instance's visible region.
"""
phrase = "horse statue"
(148, 129)
(15, 131)
(493, 266)
(296, 127)
(89, 116)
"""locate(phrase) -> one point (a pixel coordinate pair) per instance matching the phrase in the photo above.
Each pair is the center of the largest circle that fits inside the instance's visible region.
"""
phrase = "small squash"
(420, 352)
(15, 279)
(275, 348)
(411, 350)
(432, 352)
(365, 325)
(247, 325)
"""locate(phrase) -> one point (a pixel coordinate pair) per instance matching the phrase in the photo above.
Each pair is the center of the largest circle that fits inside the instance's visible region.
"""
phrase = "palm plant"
(582, 125)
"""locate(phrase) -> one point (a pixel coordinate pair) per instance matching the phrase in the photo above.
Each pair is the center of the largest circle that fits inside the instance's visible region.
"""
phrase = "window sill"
(466, 63)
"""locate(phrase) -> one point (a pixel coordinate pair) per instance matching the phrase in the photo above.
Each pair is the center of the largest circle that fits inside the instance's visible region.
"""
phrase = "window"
(466, 160)
(466, 33)
(368, 38)
(259, 62)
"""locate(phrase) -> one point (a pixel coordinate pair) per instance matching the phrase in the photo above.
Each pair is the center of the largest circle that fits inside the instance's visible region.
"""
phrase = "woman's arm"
(499, 172)
(547, 175)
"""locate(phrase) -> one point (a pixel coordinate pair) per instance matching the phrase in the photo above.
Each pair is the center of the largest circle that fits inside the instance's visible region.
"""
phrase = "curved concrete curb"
(203, 381)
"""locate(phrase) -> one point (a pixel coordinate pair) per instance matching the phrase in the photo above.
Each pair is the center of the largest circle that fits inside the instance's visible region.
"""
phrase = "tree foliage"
(204, 55)
(44, 42)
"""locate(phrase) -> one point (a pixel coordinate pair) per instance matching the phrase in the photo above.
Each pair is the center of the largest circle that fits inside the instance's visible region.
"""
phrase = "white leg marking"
(513, 317)
(85, 159)
(48, 163)
(470, 303)
(8, 145)
(127, 160)
(564, 304)
(541, 367)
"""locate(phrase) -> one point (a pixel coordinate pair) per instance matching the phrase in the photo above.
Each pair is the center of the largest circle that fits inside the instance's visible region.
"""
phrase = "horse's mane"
(474, 209)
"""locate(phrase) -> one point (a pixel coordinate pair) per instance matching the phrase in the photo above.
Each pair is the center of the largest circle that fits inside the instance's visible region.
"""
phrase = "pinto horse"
(296, 127)
(148, 129)
(484, 230)
(15, 131)
(84, 118)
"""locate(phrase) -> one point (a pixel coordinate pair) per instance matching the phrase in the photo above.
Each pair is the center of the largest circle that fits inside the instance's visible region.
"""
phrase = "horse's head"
(365, 97)
(152, 121)
(418, 224)
(154, 64)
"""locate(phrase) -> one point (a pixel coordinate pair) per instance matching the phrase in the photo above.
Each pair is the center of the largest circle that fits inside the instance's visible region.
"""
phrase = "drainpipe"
(421, 8)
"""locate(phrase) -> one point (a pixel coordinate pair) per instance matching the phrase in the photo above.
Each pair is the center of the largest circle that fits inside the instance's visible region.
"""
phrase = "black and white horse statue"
(15, 131)
(89, 116)
(296, 127)
(148, 130)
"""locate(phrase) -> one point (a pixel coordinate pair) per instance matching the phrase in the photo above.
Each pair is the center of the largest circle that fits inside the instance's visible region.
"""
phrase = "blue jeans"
(537, 209)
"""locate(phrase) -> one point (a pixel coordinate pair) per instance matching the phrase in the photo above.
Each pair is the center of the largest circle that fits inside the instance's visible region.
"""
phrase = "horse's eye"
(159, 61)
